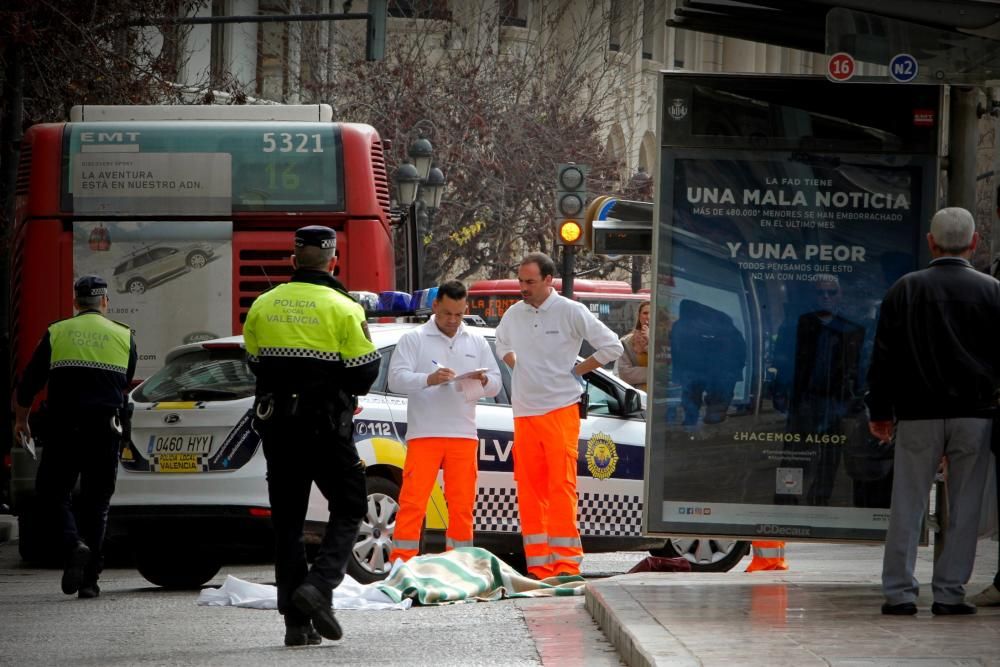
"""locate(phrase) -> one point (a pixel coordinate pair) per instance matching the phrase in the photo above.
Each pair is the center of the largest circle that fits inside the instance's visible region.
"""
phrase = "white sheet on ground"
(349, 595)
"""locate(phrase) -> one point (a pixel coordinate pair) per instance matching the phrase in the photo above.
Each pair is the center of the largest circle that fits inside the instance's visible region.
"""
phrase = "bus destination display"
(201, 168)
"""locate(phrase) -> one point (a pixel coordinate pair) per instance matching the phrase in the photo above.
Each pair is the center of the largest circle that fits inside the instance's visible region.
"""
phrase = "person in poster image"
(818, 383)
(708, 355)
(932, 384)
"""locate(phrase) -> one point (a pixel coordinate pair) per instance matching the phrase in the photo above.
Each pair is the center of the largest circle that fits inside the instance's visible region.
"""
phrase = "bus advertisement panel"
(770, 269)
(168, 281)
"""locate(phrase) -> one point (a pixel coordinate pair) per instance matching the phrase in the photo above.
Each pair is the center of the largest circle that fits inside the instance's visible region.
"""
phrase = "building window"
(272, 54)
(419, 9)
(680, 39)
(615, 26)
(513, 12)
(217, 62)
(649, 26)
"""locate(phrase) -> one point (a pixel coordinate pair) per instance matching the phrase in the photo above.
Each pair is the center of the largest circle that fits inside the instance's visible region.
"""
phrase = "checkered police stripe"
(496, 511)
(363, 359)
(79, 363)
(610, 514)
(602, 514)
(297, 353)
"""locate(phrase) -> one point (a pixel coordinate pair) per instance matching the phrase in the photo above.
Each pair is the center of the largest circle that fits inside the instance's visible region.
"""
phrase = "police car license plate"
(181, 443)
(178, 463)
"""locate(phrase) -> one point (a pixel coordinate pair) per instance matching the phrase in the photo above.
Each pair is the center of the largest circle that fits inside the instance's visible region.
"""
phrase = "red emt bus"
(188, 213)
(612, 301)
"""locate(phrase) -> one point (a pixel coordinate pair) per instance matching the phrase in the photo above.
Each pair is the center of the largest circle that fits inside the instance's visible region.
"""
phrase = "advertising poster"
(170, 281)
(771, 268)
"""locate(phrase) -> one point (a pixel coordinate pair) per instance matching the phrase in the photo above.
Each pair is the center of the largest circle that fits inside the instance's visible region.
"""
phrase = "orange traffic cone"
(767, 556)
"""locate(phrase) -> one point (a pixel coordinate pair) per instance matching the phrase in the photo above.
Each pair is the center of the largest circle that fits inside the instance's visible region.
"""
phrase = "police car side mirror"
(633, 402)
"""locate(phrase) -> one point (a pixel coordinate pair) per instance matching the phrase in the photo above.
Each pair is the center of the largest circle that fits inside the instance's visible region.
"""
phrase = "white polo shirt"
(546, 342)
(440, 411)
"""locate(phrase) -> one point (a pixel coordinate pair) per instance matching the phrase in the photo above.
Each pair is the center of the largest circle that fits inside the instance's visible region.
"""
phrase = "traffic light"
(571, 197)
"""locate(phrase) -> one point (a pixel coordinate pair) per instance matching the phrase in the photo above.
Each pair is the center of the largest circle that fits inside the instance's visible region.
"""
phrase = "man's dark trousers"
(82, 446)
(300, 450)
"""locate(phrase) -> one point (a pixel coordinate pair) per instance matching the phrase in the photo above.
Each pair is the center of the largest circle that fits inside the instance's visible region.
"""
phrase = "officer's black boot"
(301, 634)
(89, 590)
(76, 562)
(311, 602)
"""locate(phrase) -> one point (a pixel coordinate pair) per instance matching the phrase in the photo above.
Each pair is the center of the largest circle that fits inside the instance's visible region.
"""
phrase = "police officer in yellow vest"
(309, 347)
(88, 362)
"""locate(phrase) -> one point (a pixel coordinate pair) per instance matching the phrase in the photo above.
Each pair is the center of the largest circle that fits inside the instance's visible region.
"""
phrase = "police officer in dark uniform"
(309, 347)
(88, 362)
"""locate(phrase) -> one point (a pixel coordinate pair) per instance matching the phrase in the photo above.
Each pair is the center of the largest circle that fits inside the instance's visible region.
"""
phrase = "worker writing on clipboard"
(444, 368)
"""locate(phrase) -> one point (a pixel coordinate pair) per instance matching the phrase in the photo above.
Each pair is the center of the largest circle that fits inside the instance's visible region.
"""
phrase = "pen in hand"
(441, 375)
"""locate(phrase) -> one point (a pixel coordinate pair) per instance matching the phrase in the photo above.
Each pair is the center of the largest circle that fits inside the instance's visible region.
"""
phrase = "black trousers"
(84, 448)
(301, 450)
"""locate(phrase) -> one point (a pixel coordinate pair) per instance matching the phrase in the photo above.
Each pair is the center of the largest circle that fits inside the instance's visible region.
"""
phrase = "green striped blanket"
(468, 574)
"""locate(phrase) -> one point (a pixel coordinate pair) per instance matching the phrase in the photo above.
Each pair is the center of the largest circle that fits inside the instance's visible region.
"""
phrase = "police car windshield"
(199, 375)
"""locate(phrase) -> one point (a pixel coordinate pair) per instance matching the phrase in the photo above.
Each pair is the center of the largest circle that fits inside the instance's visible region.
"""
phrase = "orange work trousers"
(424, 457)
(545, 460)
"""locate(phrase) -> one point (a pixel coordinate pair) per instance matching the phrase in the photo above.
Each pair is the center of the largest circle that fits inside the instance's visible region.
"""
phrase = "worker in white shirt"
(444, 368)
(539, 338)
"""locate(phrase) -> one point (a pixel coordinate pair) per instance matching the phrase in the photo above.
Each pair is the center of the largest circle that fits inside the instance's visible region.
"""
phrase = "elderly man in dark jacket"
(933, 377)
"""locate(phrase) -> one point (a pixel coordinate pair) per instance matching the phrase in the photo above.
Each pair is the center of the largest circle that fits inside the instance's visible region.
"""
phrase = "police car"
(192, 494)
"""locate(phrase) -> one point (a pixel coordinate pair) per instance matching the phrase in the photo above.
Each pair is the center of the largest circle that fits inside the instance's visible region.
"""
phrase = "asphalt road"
(134, 623)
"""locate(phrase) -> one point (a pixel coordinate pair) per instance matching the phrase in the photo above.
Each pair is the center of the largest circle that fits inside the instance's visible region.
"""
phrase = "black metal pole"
(412, 250)
(637, 263)
(569, 266)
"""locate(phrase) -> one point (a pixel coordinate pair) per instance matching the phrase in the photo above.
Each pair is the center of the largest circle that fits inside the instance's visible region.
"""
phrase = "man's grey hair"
(88, 302)
(311, 257)
(952, 229)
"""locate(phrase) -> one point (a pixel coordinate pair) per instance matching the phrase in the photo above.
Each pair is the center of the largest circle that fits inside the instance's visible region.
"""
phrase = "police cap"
(87, 286)
(316, 235)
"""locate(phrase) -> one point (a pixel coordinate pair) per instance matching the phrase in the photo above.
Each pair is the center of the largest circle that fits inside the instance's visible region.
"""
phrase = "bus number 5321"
(286, 142)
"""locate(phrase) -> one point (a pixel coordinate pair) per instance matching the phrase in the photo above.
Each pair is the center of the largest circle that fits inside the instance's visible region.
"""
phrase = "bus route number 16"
(286, 142)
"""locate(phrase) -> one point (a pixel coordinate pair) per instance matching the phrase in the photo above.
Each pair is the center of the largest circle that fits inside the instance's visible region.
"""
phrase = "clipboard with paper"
(467, 375)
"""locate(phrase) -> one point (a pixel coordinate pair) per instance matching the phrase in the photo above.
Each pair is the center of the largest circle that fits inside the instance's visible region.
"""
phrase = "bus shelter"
(785, 209)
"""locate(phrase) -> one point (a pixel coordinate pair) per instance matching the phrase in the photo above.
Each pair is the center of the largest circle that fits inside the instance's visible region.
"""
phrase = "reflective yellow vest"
(304, 320)
(90, 340)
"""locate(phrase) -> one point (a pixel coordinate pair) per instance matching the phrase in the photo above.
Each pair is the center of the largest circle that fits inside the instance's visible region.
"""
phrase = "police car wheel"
(705, 554)
(176, 565)
(370, 557)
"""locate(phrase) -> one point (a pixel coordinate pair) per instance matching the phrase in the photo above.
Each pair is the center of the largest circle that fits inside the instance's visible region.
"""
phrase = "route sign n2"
(903, 67)
(841, 67)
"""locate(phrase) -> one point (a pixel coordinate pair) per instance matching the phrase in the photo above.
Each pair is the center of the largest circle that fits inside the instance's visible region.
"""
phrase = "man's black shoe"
(88, 591)
(959, 609)
(302, 635)
(73, 572)
(901, 609)
(310, 602)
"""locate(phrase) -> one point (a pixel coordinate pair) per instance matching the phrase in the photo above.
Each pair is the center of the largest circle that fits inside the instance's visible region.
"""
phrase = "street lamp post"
(419, 190)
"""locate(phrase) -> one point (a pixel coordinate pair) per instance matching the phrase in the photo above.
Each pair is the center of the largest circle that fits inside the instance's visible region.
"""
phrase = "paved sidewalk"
(824, 611)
